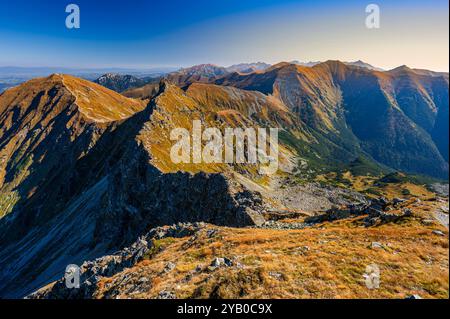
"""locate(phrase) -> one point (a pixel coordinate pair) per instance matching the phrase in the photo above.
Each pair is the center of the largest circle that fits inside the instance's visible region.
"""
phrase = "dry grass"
(177, 109)
(327, 261)
(100, 104)
(367, 184)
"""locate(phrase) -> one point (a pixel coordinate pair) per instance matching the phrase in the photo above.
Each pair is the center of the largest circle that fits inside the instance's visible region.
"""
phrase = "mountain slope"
(208, 261)
(75, 155)
(113, 180)
(119, 82)
(197, 73)
(389, 115)
(47, 125)
(395, 117)
(202, 73)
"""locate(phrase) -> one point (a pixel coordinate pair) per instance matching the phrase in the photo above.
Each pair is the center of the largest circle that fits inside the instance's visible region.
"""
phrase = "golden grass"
(100, 104)
(177, 109)
(327, 261)
(365, 183)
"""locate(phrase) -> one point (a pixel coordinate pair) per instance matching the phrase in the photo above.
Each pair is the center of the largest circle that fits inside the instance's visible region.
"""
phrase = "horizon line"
(181, 66)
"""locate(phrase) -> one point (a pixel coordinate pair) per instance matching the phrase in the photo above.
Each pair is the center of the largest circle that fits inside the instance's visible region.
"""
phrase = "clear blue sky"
(138, 33)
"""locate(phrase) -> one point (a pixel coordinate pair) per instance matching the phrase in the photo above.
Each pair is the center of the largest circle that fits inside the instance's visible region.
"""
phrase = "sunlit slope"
(46, 124)
(396, 117)
(214, 106)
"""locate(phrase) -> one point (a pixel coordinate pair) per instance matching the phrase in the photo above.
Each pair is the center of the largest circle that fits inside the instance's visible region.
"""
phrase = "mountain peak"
(401, 68)
(94, 102)
(204, 70)
(362, 64)
(334, 62)
(248, 67)
(280, 65)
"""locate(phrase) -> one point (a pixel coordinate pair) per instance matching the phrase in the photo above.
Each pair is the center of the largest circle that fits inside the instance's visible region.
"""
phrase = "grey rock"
(376, 245)
(256, 218)
(398, 200)
(239, 265)
(220, 262)
(441, 189)
(210, 233)
(377, 211)
(276, 275)
(271, 224)
(413, 297)
(438, 232)
(169, 267)
(199, 268)
(427, 222)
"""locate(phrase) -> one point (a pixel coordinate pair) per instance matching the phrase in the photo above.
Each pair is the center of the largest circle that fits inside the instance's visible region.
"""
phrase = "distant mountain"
(203, 73)
(248, 67)
(309, 64)
(209, 73)
(197, 73)
(119, 82)
(146, 91)
(396, 117)
(88, 73)
(358, 63)
(362, 64)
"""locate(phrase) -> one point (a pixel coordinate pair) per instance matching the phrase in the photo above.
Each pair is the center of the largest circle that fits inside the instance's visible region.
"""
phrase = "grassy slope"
(327, 261)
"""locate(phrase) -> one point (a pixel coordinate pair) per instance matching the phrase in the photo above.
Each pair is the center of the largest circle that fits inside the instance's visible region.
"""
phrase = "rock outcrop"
(378, 211)
(107, 266)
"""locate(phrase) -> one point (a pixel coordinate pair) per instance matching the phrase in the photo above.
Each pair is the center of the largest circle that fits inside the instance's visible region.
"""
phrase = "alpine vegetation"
(236, 145)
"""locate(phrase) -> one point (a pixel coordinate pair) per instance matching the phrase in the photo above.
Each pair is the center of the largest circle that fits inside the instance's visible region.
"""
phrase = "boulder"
(376, 245)
(438, 232)
(169, 267)
(220, 262)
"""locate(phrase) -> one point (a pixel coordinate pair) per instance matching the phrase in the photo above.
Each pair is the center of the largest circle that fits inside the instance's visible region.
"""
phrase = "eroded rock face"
(141, 197)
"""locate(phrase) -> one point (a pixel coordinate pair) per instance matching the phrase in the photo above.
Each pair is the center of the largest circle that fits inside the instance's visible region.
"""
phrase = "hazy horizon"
(168, 68)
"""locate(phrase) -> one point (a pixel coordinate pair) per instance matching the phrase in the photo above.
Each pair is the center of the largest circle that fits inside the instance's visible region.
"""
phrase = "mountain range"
(85, 171)
(119, 82)
(391, 116)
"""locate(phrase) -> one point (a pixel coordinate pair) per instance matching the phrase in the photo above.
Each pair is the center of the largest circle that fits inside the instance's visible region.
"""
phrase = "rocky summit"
(86, 178)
